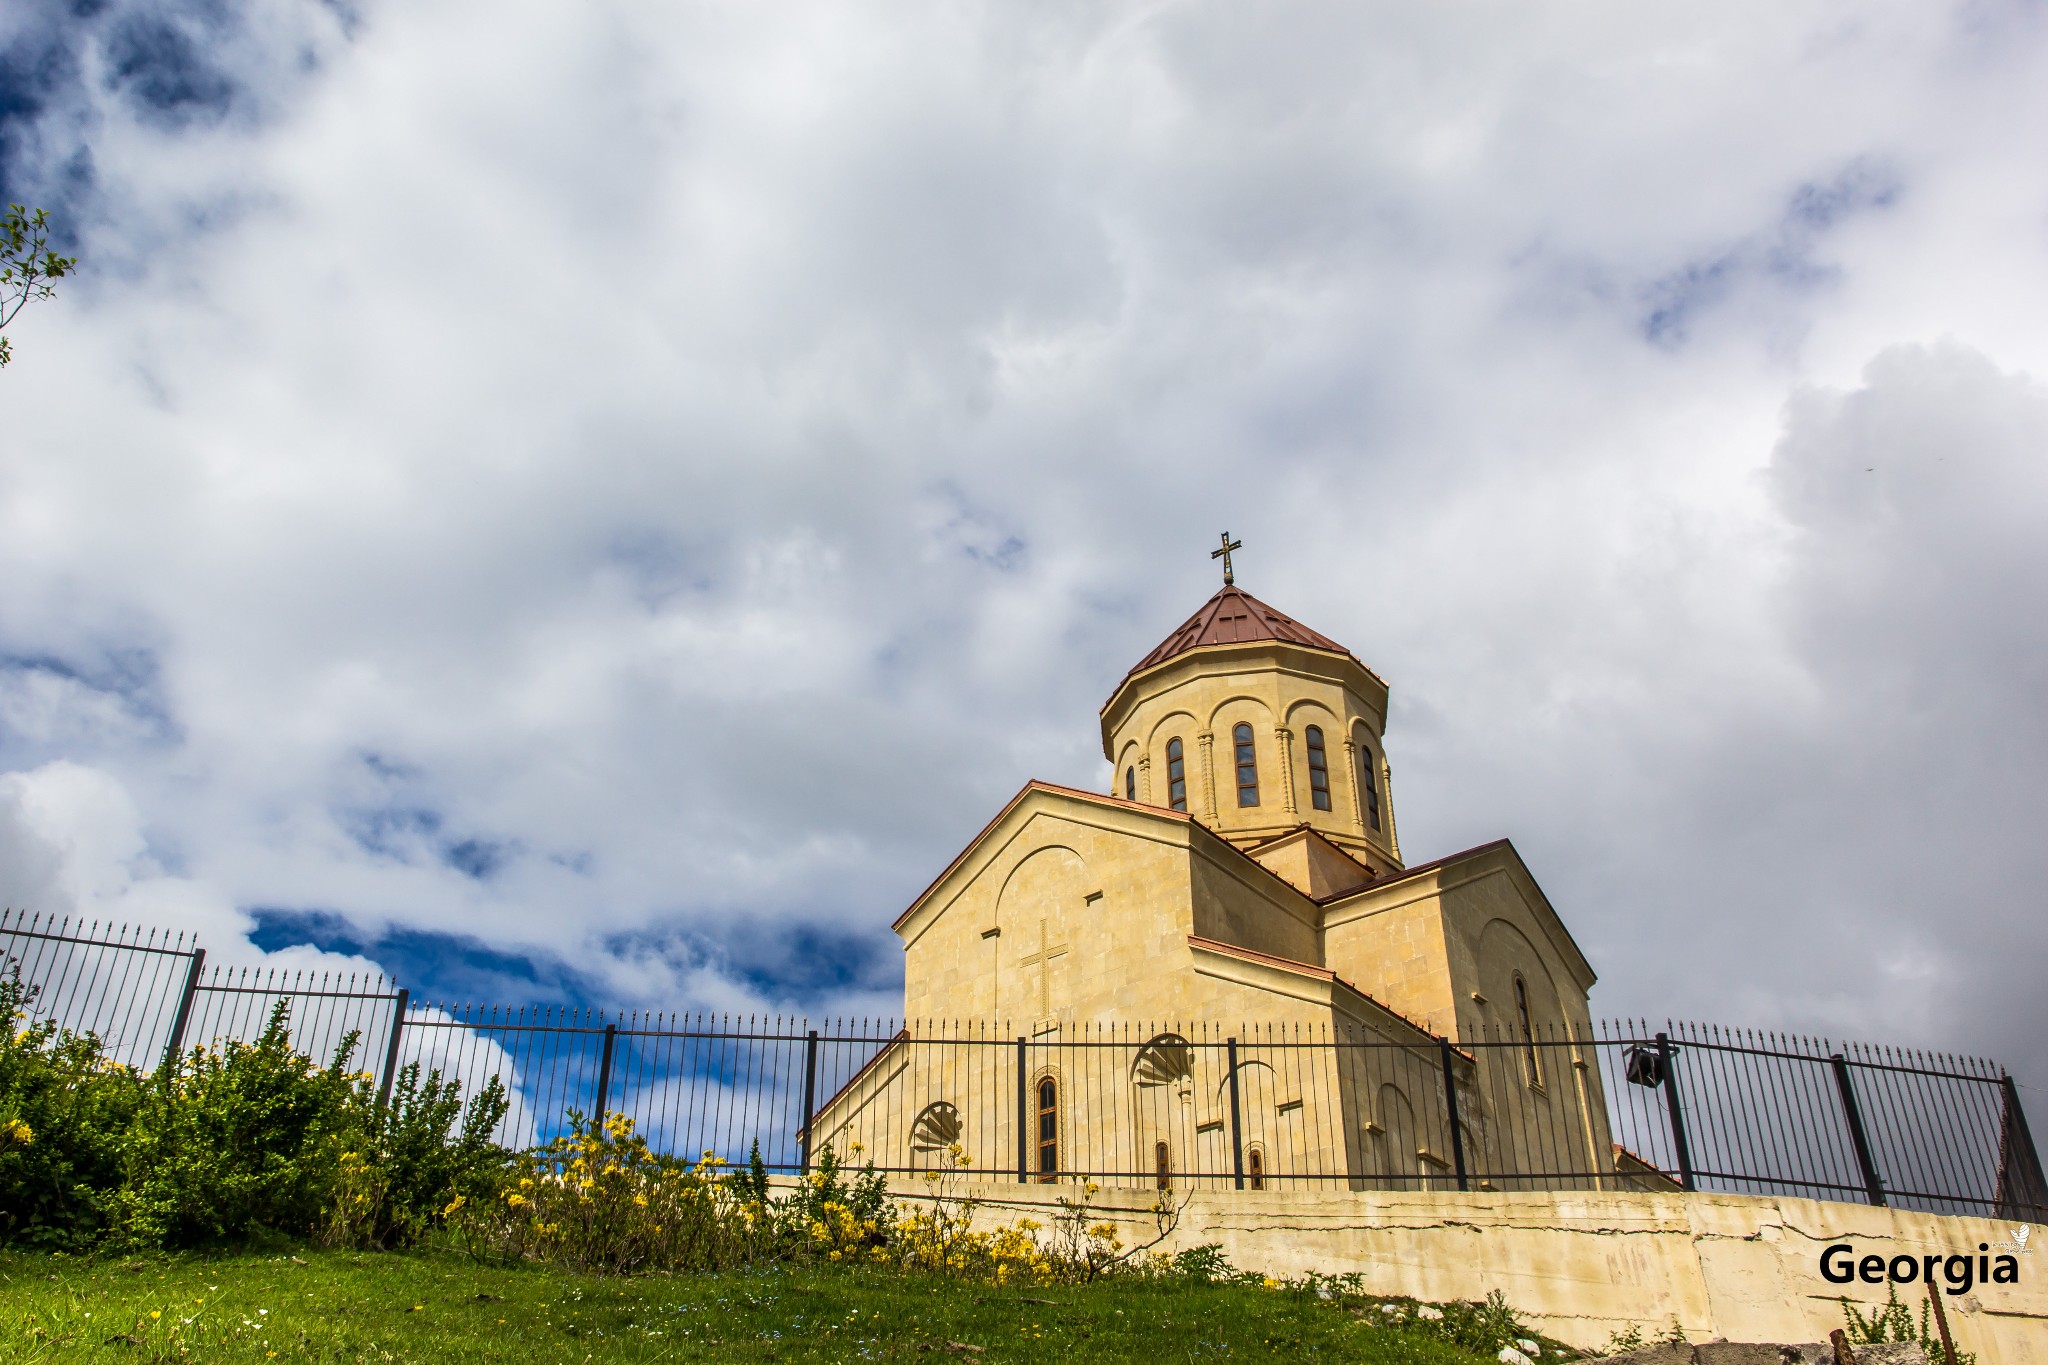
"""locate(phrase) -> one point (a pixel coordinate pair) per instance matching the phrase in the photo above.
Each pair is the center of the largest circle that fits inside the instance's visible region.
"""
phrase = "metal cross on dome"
(1224, 555)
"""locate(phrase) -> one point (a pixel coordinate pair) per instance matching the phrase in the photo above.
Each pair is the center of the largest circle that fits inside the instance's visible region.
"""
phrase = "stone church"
(1077, 975)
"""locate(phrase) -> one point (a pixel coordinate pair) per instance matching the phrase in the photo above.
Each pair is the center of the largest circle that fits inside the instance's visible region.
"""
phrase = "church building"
(1243, 880)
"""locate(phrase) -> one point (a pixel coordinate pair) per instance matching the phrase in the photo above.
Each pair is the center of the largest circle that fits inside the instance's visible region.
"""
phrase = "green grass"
(435, 1306)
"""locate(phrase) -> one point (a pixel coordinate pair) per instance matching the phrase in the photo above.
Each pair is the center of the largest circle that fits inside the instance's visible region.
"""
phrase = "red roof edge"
(1033, 785)
(1232, 617)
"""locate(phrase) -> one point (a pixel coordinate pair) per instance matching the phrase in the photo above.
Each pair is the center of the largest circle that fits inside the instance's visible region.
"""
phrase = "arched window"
(1255, 1168)
(1318, 770)
(1048, 1131)
(1535, 1073)
(1176, 776)
(1130, 784)
(1162, 1160)
(1247, 765)
(1369, 783)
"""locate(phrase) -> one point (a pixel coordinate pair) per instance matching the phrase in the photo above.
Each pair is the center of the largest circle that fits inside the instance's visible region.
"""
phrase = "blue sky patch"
(446, 968)
(1784, 256)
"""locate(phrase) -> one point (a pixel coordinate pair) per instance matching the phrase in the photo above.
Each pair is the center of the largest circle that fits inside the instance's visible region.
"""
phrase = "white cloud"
(625, 483)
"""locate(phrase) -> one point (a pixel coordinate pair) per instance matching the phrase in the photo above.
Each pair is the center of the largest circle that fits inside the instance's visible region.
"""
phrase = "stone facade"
(1251, 882)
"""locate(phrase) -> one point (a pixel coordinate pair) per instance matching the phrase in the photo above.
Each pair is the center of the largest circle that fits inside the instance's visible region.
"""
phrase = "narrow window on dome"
(1369, 783)
(1247, 765)
(1255, 1168)
(1130, 784)
(1048, 1131)
(1176, 776)
(1318, 770)
(1162, 1160)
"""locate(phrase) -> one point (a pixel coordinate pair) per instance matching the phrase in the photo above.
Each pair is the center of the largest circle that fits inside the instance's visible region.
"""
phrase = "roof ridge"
(1234, 616)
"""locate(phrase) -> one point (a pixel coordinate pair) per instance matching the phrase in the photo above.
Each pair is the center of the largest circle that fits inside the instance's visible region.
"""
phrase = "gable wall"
(1391, 945)
(1494, 927)
(1237, 901)
(1033, 887)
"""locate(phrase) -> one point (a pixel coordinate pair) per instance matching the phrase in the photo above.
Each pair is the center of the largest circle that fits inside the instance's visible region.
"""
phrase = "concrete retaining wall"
(1583, 1266)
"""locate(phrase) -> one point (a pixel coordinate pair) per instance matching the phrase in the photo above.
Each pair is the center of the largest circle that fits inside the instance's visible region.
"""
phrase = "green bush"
(234, 1139)
(64, 1109)
(255, 1136)
(222, 1143)
(403, 1167)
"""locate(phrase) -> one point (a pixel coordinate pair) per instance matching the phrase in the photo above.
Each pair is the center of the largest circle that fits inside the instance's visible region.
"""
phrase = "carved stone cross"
(1042, 959)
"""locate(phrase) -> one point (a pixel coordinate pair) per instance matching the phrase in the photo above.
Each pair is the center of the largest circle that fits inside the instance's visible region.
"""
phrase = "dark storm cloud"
(159, 63)
(68, 66)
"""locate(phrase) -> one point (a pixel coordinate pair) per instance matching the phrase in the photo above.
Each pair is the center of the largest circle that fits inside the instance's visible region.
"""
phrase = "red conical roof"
(1234, 617)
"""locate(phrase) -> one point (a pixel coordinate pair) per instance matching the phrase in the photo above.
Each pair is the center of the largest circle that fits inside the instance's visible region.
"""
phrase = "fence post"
(1451, 1104)
(1668, 1064)
(391, 1048)
(1872, 1186)
(1023, 1114)
(604, 1072)
(2022, 1193)
(176, 1045)
(810, 1093)
(1236, 1138)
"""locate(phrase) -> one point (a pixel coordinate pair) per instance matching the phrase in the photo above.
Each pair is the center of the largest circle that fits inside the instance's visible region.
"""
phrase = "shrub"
(829, 1217)
(254, 1135)
(64, 1106)
(231, 1140)
(402, 1167)
(599, 1199)
(1895, 1322)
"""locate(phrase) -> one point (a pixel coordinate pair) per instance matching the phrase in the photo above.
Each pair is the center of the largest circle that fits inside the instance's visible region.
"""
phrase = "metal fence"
(1623, 1106)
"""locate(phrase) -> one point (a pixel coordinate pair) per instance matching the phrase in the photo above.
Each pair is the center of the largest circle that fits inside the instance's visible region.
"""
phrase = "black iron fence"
(1618, 1106)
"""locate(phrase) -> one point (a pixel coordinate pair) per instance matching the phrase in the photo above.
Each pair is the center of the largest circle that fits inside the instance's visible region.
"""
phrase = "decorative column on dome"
(1387, 785)
(1284, 737)
(1145, 778)
(1357, 793)
(1207, 741)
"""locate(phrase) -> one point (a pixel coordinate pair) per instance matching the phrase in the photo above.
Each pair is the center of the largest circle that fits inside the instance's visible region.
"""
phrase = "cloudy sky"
(601, 501)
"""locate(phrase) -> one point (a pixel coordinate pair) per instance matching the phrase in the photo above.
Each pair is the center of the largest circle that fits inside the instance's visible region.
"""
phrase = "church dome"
(1258, 727)
(1234, 617)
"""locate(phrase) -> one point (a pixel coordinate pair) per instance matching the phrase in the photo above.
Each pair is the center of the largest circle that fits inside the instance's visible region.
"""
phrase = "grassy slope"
(437, 1307)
